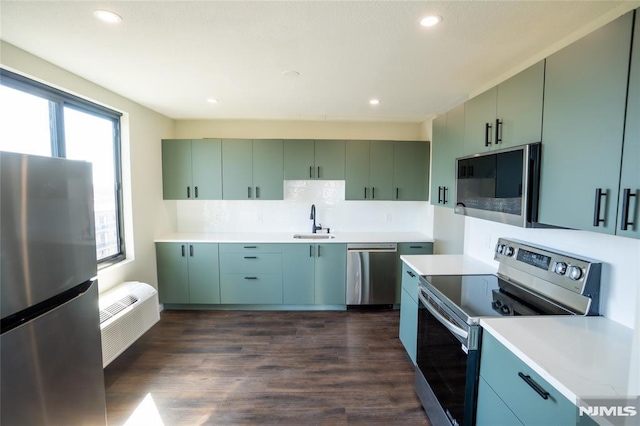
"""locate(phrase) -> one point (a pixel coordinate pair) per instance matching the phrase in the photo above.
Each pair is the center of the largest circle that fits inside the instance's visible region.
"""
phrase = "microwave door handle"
(448, 324)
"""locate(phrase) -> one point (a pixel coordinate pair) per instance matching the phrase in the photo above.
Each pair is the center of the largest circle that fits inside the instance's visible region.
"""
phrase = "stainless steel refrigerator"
(50, 346)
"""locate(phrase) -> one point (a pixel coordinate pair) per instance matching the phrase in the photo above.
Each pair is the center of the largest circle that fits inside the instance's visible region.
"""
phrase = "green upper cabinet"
(629, 197)
(448, 137)
(411, 171)
(369, 170)
(268, 169)
(306, 159)
(584, 112)
(507, 115)
(252, 169)
(191, 169)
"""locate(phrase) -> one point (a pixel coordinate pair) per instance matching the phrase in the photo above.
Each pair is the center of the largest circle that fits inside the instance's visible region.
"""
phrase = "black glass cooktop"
(475, 296)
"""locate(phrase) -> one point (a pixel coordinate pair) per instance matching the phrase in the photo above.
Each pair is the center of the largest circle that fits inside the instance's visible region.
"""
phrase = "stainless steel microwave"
(501, 186)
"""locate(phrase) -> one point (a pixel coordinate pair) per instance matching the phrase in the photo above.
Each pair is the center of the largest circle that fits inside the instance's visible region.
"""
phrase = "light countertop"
(581, 357)
(447, 264)
(287, 237)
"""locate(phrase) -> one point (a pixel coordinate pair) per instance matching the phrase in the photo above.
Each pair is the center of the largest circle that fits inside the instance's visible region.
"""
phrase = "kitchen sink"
(313, 236)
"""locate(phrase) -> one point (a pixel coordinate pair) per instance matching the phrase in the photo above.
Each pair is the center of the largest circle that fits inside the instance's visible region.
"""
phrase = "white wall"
(620, 256)
(292, 213)
(142, 129)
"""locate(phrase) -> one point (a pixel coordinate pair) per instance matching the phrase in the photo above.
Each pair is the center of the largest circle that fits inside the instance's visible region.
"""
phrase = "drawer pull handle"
(411, 274)
(415, 247)
(536, 387)
(250, 278)
(250, 247)
(251, 257)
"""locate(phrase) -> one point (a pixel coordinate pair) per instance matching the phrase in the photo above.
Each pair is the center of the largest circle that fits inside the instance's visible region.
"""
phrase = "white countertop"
(447, 264)
(287, 237)
(582, 357)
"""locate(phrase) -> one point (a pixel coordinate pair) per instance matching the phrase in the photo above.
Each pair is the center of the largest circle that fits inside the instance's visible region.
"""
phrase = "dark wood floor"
(247, 367)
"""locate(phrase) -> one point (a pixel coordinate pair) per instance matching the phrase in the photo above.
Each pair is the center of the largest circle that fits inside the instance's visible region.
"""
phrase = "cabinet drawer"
(250, 248)
(492, 411)
(415, 248)
(251, 288)
(503, 372)
(241, 263)
(410, 281)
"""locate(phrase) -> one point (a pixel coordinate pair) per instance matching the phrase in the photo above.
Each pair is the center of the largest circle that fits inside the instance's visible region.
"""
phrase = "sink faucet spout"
(313, 217)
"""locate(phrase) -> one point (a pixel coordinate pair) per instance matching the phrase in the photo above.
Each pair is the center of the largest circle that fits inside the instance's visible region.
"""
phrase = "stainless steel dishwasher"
(371, 274)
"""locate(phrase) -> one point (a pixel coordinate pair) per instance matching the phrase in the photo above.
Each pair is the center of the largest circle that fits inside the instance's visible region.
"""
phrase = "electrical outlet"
(389, 218)
(487, 241)
(217, 218)
(260, 218)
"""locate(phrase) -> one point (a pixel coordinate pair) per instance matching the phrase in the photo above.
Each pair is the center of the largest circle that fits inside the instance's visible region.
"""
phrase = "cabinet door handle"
(536, 387)
(318, 172)
(444, 194)
(498, 131)
(257, 192)
(373, 193)
(310, 250)
(248, 192)
(188, 192)
(626, 197)
(190, 250)
(411, 274)
(318, 251)
(182, 247)
(195, 188)
(439, 194)
(310, 172)
(397, 192)
(365, 192)
(250, 278)
(487, 134)
(597, 206)
(251, 257)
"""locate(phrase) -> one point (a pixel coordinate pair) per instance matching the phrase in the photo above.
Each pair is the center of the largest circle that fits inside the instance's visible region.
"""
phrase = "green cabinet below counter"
(314, 274)
(188, 273)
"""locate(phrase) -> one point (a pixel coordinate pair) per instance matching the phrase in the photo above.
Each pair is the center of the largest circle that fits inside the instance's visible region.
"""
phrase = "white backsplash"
(292, 213)
(620, 282)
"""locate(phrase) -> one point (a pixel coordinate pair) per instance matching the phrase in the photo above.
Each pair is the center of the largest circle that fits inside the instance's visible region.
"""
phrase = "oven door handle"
(448, 324)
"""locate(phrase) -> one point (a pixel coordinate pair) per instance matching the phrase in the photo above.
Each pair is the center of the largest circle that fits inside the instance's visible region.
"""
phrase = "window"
(38, 119)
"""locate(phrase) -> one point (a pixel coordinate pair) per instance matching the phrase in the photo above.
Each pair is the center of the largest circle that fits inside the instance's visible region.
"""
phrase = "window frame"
(58, 100)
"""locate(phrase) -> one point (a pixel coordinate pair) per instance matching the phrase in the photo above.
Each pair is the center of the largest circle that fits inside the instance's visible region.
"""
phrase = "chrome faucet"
(313, 217)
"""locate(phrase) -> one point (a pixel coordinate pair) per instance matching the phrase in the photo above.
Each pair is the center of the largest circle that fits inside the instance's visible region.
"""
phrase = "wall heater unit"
(127, 311)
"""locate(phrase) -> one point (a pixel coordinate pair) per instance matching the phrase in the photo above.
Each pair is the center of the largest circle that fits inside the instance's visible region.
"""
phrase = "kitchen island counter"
(447, 264)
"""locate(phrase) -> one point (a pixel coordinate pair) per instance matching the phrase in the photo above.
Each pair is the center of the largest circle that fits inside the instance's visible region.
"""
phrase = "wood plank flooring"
(260, 368)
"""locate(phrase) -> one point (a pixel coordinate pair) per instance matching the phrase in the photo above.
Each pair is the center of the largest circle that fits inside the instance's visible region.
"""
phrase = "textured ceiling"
(172, 56)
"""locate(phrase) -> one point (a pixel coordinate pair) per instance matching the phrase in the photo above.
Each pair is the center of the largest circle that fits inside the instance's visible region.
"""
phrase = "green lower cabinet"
(492, 411)
(298, 274)
(256, 289)
(331, 274)
(409, 324)
(188, 273)
(521, 390)
(407, 249)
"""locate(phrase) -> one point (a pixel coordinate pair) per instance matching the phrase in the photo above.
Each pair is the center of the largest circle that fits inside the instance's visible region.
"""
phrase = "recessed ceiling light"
(291, 74)
(107, 16)
(374, 102)
(430, 21)
(212, 101)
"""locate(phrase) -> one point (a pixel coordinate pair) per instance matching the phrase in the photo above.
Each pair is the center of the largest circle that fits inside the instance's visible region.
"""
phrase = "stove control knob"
(496, 304)
(508, 251)
(505, 310)
(575, 273)
(499, 248)
(560, 268)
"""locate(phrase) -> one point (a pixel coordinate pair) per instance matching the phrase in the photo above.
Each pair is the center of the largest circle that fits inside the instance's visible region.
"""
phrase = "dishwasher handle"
(379, 248)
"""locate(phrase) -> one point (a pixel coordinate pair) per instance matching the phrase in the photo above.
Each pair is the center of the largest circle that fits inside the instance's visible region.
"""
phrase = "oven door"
(447, 368)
